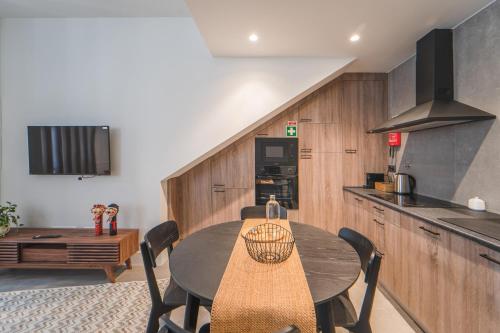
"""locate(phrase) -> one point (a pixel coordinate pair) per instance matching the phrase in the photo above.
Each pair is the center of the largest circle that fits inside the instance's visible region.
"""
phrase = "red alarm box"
(394, 139)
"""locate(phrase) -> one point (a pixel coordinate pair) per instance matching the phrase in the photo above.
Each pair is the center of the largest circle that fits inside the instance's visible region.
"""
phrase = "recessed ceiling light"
(253, 38)
(354, 38)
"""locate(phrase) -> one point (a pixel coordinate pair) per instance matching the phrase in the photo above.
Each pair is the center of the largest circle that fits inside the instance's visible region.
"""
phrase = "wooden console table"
(76, 249)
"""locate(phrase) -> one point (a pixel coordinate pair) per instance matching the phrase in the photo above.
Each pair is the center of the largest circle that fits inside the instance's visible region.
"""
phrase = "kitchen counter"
(432, 215)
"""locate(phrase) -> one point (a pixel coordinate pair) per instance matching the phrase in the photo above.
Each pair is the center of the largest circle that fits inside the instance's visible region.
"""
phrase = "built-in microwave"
(276, 151)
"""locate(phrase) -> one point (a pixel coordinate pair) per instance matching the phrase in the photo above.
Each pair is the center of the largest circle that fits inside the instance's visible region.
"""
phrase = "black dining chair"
(171, 327)
(155, 242)
(342, 307)
(256, 212)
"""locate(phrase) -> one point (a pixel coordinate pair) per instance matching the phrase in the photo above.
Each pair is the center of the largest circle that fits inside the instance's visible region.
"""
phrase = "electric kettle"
(403, 183)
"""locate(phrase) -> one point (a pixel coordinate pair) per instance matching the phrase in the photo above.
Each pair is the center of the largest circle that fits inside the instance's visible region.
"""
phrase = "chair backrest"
(370, 264)
(160, 238)
(156, 241)
(257, 212)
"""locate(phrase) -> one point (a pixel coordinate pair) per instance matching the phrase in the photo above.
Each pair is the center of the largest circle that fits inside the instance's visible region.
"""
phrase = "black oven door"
(275, 151)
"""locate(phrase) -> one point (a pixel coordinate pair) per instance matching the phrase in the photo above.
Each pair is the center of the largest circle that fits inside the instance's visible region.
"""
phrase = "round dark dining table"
(198, 263)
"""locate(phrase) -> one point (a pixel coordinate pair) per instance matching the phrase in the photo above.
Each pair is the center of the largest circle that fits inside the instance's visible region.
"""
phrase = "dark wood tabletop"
(198, 263)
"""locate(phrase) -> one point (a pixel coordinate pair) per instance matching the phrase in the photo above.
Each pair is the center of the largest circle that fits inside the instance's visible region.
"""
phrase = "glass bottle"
(272, 210)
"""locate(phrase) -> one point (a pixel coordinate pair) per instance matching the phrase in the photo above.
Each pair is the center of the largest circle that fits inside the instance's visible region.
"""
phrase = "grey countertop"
(432, 215)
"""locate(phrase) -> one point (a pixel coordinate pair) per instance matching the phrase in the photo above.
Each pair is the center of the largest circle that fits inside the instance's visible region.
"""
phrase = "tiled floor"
(385, 317)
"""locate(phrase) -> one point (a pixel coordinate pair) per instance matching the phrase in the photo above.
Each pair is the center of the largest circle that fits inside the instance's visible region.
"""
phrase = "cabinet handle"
(379, 209)
(430, 231)
(305, 120)
(306, 157)
(358, 199)
(218, 185)
(487, 257)
(219, 190)
(351, 151)
(306, 150)
(378, 222)
(262, 134)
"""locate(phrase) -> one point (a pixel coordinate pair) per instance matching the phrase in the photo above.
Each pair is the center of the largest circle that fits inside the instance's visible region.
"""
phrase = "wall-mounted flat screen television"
(69, 150)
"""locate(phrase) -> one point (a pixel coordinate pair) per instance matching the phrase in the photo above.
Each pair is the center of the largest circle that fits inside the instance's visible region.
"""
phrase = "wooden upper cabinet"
(320, 138)
(323, 106)
(320, 190)
(364, 106)
(352, 115)
(375, 113)
(234, 167)
(353, 169)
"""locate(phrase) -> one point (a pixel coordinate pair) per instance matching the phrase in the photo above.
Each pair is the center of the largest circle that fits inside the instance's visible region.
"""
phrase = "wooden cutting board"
(384, 186)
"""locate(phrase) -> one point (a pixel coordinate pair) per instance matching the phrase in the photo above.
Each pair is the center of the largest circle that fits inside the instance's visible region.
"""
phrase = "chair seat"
(176, 296)
(344, 311)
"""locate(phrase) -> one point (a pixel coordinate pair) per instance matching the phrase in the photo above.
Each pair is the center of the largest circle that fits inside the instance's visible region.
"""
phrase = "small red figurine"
(112, 211)
(97, 212)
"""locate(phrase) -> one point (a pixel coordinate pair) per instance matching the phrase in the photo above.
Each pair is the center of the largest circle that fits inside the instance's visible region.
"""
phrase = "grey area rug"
(110, 307)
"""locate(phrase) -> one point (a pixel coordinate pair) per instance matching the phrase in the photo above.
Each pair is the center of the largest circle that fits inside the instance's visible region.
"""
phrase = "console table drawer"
(44, 253)
(93, 253)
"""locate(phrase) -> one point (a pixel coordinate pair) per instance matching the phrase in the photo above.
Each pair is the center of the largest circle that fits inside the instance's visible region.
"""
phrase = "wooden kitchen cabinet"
(234, 167)
(374, 147)
(353, 170)
(196, 186)
(446, 282)
(363, 107)
(320, 138)
(277, 127)
(356, 216)
(327, 126)
(322, 107)
(352, 115)
(227, 203)
(320, 190)
(472, 291)
(392, 262)
(425, 253)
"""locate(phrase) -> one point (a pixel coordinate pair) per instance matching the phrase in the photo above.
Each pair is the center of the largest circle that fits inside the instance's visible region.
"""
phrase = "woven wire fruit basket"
(269, 243)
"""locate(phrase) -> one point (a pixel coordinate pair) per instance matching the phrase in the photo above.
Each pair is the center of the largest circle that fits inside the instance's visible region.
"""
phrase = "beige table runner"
(256, 297)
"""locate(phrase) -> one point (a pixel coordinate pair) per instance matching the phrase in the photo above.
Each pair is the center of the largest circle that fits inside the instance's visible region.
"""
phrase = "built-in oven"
(275, 151)
(276, 171)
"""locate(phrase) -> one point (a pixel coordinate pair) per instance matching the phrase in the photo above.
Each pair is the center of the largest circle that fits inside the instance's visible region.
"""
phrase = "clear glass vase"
(272, 210)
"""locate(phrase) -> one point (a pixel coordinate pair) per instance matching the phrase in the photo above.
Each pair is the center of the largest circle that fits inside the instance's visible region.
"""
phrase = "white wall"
(153, 81)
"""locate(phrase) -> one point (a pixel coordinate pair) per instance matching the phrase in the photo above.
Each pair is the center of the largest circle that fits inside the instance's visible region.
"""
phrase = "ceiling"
(92, 8)
(305, 28)
(286, 28)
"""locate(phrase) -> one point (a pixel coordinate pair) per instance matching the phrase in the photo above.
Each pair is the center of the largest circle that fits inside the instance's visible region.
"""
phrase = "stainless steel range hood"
(434, 90)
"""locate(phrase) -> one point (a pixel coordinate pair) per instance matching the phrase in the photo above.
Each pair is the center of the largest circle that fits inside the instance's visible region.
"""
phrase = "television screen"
(69, 150)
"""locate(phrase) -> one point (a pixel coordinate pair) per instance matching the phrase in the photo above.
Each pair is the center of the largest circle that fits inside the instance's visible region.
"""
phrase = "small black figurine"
(112, 211)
